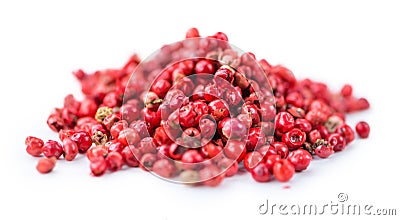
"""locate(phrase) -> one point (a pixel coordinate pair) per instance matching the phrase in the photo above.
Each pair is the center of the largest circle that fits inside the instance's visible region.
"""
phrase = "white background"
(336, 42)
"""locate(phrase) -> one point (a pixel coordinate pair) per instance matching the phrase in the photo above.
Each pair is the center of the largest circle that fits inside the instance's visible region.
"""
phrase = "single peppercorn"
(46, 165)
(362, 129)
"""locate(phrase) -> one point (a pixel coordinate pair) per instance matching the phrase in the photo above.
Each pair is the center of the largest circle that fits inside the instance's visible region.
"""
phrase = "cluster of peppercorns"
(195, 112)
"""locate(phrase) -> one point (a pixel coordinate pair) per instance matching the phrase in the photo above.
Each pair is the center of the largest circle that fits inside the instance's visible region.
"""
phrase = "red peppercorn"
(255, 139)
(114, 146)
(303, 125)
(323, 131)
(294, 138)
(112, 100)
(70, 149)
(118, 127)
(235, 150)
(251, 160)
(260, 173)
(114, 161)
(345, 131)
(88, 107)
(191, 158)
(211, 176)
(52, 149)
(192, 33)
(314, 136)
(147, 145)
(336, 141)
(151, 117)
(284, 122)
(83, 140)
(295, 99)
(281, 149)
(323, 149)
(283, 170)
(55, 121)
(271, 160)
(34, 146)
(147, 161)
(164, 168)
(186, 66)
(128, 136)
(98, 166)
(346, 90)
(204, 66)
(362, 129)
(131, 156)
(218, 109)
(234, 129)
(228, 166)
(65, 133)
(207, 127)
(176, 151)
(161, 87)
(300, 159)
(95, 152)
(252, 111)
(46, 165)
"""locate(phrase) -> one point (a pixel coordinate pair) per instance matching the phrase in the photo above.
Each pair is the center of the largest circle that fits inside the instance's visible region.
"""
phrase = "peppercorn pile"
(196, 112)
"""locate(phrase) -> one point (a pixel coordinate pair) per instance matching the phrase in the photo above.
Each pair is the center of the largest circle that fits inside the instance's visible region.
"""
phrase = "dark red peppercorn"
(284, 122)
(204, 66)
(260, 173)
(218, 109)
(251, 160)
(281, 149)
(271, 160)
(303, 125)
(294, 138)
(336, 141)
(83, 140)
(300, 159)
(346, 132)
(362, 129)
(314, 136)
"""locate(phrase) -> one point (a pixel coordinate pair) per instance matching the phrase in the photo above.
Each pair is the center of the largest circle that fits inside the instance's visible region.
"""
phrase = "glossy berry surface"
(300, 159)
(283, 170)
(362, 129)
(260, 173)
(294, 138)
